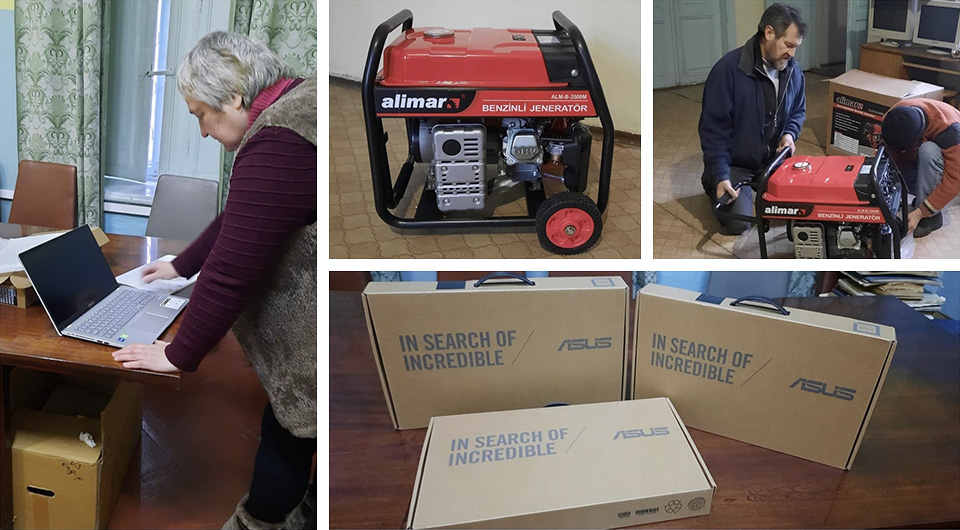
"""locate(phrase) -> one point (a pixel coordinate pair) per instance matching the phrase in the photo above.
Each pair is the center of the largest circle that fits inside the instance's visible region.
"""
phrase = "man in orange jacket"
(923, 138)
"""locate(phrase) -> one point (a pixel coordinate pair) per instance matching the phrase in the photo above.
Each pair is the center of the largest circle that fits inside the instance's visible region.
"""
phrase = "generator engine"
(524, 150)
(838, 206)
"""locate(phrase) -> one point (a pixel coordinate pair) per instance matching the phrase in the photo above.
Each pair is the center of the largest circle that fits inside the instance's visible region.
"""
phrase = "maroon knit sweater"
(273, 193)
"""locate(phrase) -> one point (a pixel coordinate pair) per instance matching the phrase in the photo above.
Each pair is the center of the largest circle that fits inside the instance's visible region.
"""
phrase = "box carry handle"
(513, 275)
(761, 299)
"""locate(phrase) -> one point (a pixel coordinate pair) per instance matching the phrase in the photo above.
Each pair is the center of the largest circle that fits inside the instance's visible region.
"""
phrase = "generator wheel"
(568, 223)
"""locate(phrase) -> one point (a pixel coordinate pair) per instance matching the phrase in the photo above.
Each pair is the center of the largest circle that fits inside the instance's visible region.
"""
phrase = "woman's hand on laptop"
(146, 357)
(159, 270)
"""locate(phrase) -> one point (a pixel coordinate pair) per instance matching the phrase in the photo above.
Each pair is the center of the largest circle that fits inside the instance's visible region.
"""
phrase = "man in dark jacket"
(754, 105)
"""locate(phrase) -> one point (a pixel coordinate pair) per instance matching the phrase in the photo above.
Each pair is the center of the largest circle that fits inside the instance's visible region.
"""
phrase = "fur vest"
(278, 327)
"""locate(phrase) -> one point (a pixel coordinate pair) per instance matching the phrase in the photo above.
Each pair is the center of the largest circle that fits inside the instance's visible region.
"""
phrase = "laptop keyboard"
(112, 316)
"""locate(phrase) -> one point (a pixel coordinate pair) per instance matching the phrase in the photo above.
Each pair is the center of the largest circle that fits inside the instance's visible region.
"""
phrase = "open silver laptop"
(84, 300)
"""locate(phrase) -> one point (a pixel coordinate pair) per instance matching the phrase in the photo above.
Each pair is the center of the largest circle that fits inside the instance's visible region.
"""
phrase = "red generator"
(835, 206)
(487, 110)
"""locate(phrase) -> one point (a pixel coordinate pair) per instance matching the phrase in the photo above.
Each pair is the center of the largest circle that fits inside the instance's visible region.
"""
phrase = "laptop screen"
(70, 275)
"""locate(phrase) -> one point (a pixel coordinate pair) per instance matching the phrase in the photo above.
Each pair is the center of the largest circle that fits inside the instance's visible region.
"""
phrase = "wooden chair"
(45, 195)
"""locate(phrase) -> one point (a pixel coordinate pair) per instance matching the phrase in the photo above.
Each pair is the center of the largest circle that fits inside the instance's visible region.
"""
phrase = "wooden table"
(28, 339)
(913, 62)
(907, 472)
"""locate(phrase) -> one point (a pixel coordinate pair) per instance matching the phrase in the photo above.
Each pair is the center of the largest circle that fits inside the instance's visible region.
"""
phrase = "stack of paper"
(908, 286)
(134, 278)
(10, 256)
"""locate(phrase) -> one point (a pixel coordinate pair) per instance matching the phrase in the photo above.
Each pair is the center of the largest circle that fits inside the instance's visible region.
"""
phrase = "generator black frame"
(759, 186)
(388, 194)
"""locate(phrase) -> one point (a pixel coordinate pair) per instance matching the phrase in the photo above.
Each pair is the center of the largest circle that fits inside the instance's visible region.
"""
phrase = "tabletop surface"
(28, 338)
(907, 471)
(916, 50)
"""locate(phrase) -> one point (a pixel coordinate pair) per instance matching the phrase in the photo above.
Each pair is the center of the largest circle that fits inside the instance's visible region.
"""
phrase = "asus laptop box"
(84, 300)
(802, 383)
(599, 465)
(458, 347)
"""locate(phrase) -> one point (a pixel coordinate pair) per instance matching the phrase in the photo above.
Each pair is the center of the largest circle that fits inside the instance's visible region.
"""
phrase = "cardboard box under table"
(58, 480)
(455, 347)
(599, 465)
(858, 101)
(803, 383)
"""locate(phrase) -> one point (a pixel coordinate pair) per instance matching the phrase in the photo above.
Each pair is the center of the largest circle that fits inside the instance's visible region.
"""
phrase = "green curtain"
(287, 27)
(58, 61)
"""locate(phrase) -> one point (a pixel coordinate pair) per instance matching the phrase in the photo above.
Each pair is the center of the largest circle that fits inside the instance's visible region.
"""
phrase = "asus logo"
(586, 344)
(817, 387)
(780, 210)
(637, 433)
(402, 101)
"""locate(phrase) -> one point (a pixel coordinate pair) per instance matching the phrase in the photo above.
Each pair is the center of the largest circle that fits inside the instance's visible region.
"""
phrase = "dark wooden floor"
(197, 448)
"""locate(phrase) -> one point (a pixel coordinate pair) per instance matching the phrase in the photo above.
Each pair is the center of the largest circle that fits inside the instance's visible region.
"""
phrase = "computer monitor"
(894, 20)
(939, 26)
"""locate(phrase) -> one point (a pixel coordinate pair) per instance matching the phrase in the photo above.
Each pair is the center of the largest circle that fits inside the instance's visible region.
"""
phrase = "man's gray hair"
(780, 17)
(224, 64)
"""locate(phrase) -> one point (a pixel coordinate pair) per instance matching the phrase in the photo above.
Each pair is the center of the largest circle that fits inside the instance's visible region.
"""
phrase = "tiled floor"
(356, 231)
(683, 225)
(197, 447)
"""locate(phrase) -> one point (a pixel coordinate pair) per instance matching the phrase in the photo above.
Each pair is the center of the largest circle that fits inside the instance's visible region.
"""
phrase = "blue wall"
(8, 106)
(951, 291)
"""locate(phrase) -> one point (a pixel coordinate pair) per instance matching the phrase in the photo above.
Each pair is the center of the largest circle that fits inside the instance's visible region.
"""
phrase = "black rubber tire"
(560, 201)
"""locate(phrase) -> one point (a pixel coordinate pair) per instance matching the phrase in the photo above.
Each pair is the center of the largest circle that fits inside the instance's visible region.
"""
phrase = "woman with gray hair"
(258, 261)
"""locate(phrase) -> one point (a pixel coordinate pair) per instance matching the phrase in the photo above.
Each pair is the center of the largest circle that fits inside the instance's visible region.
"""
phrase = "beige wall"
(747, 15)
(610, 27)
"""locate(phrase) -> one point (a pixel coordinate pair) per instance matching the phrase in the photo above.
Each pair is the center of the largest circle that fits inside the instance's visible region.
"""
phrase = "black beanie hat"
(903, 127)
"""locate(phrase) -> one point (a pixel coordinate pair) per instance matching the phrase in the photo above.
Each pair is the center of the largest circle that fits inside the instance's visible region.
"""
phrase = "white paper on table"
(10, 250)
(134, 278)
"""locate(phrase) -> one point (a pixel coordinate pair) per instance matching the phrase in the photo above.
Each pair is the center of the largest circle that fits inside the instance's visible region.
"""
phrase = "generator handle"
(561, 22)
(762, 300)
(761, 189)
(513, 275)
(725, 198)
(753, 183)
(782, 155)
(383, 192)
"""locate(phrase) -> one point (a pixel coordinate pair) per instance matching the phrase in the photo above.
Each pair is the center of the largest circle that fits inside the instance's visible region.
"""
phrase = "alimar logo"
(599, 343)
(639, 433)
(773, 209)
(818, 387)
(403, 101)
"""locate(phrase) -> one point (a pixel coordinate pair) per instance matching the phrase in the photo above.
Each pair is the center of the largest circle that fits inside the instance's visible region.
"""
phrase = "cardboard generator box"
(599, 465)
(858, 101)
(59, 481)
(458, 347)
(804, 383)
(16, 289)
